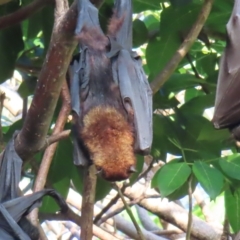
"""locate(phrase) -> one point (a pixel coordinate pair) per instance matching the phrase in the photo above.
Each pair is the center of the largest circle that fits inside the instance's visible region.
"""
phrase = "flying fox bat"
(227, 102)
(111, 97)
(13, 207)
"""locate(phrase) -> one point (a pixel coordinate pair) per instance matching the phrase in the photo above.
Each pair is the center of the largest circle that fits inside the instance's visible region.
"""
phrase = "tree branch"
(139, 231)
(49, 153)
(167, 211)
(163, 76)
(90, 180)
(56, 138)
(32, 136)
(23, 13)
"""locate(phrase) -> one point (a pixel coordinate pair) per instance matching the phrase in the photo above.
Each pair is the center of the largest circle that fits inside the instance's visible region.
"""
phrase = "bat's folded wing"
(21, 206)
(227, 103)
(132, 81)
(135, 90)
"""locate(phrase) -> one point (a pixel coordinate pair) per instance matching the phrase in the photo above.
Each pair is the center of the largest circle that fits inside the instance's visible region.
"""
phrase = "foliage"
(182, 127)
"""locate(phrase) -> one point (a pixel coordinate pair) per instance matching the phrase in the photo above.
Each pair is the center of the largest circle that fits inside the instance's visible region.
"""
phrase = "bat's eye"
(99, 170)
(132, 169)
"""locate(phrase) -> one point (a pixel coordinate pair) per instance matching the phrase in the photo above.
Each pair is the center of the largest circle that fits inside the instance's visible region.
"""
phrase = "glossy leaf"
(140, 33)
(231, 166)
(210, 178)
(172, 176)
(232, 203)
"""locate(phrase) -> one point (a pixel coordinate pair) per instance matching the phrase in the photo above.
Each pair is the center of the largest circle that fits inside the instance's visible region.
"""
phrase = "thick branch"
(174, 214)
(97, 231)
(23, 13)
(163, 76)
(32, 136)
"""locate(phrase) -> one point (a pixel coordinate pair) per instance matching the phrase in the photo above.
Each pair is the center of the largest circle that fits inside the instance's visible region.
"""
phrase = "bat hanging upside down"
(111, 97)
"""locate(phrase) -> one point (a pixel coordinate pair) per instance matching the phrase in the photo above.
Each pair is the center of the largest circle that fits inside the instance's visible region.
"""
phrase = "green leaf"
(77, 178)
(173, 21)
(164, 134)
(209, 133)
(140, 33)
(11, 44)
(210, 178)
(178, 82)
(232, 205)
(139, 5)
(198, 104)
(231, 166)
(47, 24)
(27, 87)
(183, 190)
(102, 189)
(34, 25)
(180, 3)
(206, 65)
(219, 16)
(172, 176)
(61, 166)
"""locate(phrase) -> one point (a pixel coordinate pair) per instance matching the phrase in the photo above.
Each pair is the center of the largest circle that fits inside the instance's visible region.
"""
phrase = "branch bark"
(50, 151)
(174, 214)
(32, 136)
(163, 76)
(90, 180)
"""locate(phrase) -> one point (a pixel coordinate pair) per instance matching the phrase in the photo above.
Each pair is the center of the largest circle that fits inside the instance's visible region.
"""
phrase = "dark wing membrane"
(87, 16)
(135, 90)
(133, 84)
(14, 207)
(10, 172)
(79, 76)
(227, 103)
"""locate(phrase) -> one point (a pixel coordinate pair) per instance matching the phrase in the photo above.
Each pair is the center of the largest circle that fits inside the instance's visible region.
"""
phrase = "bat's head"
(110, 141)
(116, 174)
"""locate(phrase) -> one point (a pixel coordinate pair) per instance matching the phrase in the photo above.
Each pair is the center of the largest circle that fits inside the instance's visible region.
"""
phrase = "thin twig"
(163, 76)
(88, 200)
(189, 226)
(197, 75)
(141, 236)
(56, 138)
(49, 153)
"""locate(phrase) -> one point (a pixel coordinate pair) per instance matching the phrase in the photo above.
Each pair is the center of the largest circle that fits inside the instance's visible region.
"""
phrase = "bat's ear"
(120, 26)
(87, 16)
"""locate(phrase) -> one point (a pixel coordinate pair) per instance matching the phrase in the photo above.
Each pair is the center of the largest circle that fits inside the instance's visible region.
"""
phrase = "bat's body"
(111, 98)
(104, 128)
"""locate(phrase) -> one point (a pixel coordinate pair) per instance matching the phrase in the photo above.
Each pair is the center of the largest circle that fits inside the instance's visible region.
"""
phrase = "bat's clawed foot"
(132, 169)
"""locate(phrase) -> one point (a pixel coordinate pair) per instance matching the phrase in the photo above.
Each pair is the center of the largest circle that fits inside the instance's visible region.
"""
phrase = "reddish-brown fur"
(109, 139)
(93, 38)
